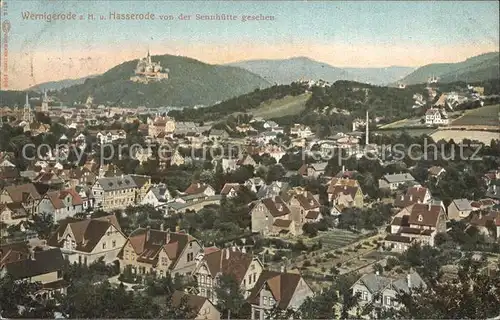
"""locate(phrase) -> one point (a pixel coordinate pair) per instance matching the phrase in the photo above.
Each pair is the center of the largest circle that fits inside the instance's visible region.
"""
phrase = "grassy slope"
(487, 115)
(282, 107)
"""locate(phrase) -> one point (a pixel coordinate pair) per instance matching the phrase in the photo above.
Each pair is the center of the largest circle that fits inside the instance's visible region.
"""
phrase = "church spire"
(27, 103)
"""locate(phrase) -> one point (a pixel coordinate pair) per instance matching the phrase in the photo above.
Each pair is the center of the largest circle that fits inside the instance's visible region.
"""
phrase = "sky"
(340, 33)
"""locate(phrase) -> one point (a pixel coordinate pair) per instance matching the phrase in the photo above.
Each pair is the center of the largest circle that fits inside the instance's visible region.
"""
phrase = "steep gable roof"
(45, 261)
(87, 232)
(281, 285)
(228, 262)
(18, 192)
(425, 214)
(148, 243)
(276, 206)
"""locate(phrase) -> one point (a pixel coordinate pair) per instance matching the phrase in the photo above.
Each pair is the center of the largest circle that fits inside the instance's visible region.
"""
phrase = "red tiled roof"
(429, 214)
(276, 206)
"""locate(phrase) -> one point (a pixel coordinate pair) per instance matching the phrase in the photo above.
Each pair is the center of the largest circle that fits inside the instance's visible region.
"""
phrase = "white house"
(435, 116)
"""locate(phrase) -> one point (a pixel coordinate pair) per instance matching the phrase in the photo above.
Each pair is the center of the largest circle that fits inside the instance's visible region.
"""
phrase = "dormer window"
(420, 218)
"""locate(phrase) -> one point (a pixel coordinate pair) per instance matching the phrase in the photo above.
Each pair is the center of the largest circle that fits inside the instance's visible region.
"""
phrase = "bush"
(359, 246)
(338, 252)
(306, 263)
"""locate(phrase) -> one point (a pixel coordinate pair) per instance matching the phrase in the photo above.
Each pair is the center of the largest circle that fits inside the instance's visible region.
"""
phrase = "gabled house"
(272, 216)
(230, 190)
(61, 204)
(12, 213)
(157, 252)
(278, 289)
(243, 267)
(276, 188)
(304, 207)
(200, 307)
(382, 291)
(393, 181)
(13, 252)
(218, 135)
(25, 194)
(157, 196)
(42, 266)
(416, 223)
(254, 184)
(200, 187)
(436, 171)
(487, 223)
(86, 241)
(459, 209)
(417, 194)
(313, 170)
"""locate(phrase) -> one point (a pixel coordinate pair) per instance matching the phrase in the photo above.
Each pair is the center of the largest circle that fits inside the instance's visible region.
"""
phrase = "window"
(190, 244)
(113, 243)
(249, 279)
(254, 277)
(190, 257)
(387, 301)
(104, 245)
(164, 261)
(365, 295)
(264, 301)
(244, 282)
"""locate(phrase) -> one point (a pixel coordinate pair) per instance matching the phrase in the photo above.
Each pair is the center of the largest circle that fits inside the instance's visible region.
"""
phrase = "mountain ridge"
(283, 71)
(481, 67)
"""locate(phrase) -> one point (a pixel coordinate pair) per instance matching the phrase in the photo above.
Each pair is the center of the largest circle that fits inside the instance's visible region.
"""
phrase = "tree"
(43, 224)
(229, 294)
(475, 294)
(280, 314)
(15, 294)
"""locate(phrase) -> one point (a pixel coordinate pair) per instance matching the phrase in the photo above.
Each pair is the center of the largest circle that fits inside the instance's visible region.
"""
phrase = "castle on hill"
(147, 71)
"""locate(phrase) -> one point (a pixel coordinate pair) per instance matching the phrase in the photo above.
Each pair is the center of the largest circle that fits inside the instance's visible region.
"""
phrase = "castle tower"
(148, 57)
(27, 110)
(367, 138)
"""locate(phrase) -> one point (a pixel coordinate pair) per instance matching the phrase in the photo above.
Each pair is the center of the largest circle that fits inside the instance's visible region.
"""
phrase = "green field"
(334, 239)
(415, 132)
(487, 116)
(287, 106)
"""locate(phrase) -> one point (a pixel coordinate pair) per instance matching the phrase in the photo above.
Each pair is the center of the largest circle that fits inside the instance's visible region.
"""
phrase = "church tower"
(27, 110)
(45, 103)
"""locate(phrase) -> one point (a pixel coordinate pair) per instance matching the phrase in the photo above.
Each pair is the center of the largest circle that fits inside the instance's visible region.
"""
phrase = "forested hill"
(479, 68)
(243, 103)
(190, 82)
(353, 97)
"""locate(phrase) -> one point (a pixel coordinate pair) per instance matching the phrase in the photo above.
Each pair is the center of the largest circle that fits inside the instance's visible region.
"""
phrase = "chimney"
(198, 185)
(408, 280)
(377, 273)
(227, 252)
(343, 168)
(233, 248)
(282, 269)
(148, 233)
(162, 226)
(243, 250)
(429, 207)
